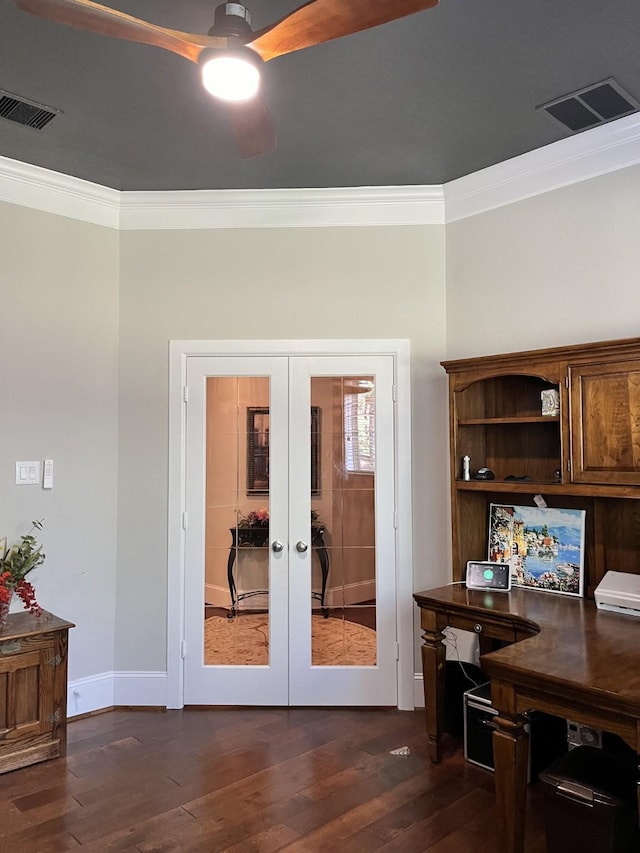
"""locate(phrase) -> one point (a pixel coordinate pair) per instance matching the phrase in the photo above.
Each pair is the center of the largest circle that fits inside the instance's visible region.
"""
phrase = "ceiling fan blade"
(86, 15)
(253, 127)
(323, 20)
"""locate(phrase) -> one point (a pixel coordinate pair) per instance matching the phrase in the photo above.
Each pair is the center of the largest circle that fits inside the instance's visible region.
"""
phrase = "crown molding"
(604, 149)
(53, 192)
(282, 208)
(586, 155)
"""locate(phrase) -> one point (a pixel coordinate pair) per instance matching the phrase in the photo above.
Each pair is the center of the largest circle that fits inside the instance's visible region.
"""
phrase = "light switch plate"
(28, 473)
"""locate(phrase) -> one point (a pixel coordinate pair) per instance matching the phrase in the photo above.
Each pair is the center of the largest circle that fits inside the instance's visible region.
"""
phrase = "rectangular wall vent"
(591, 106)
(22, 111)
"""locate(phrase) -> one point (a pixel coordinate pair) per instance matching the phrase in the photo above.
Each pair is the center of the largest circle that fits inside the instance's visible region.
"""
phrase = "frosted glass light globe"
(230, 78)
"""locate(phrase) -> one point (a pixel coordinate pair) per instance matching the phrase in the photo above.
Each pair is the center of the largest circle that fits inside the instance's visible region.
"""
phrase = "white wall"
(380, 282)
(556, 269)
(58, 399)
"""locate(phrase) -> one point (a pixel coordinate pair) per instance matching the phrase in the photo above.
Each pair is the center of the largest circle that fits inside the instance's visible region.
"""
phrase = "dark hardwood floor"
(259, 780)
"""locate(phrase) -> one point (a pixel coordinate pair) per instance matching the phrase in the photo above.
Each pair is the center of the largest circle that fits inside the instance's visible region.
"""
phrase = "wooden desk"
(564, 657)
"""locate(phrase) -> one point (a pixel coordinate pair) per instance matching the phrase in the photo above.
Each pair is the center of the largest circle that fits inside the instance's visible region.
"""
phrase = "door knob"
(277, 546)
(301, 546)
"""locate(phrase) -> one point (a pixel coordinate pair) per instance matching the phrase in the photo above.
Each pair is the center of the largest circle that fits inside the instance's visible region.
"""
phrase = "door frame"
(179, 352)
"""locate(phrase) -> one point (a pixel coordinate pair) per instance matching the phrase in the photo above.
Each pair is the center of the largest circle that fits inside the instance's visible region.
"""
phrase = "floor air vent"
(592, 106)
(25, 112)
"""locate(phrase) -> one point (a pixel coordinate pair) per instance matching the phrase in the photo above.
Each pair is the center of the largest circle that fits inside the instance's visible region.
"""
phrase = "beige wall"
(276, 284)
(556, 269)
(58, 393)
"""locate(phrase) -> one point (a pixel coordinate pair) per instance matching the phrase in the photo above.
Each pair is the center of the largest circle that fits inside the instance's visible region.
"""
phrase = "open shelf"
(531, 488)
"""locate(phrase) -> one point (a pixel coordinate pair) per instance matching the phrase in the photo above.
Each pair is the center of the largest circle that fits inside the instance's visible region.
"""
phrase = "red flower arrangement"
(15, 564)
(260, 518)
(255, 518)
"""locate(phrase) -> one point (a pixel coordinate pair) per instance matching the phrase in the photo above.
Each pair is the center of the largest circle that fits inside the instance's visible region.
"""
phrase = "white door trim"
(179, 351)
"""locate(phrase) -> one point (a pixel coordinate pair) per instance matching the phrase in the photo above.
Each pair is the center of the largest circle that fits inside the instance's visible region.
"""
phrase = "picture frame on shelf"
(550, 403)
(543, 545)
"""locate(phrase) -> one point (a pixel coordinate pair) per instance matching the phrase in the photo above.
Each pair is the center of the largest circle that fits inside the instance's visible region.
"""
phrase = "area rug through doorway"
(245, 640)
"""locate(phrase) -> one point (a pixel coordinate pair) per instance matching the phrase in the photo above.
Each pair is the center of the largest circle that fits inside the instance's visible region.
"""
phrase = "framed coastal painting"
(543, 546)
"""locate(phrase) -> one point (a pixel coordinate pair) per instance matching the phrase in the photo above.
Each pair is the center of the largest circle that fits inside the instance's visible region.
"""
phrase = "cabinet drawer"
(482, 626)
(22, 645)
(17, 662)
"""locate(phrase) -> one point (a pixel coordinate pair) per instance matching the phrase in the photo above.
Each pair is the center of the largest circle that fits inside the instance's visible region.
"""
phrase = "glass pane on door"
(236, 594)
(343, 482)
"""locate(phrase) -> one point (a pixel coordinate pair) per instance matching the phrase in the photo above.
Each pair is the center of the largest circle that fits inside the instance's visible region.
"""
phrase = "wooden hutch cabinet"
(585, 457)
(33, 689)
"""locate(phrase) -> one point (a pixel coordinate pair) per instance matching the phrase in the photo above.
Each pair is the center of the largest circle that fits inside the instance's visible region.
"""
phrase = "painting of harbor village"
(543, 546)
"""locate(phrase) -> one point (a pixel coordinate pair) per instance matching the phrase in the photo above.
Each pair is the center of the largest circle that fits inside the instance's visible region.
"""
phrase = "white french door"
(290, 557)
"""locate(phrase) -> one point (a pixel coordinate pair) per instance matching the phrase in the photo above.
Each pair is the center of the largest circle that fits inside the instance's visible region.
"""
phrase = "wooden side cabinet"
(33, 689)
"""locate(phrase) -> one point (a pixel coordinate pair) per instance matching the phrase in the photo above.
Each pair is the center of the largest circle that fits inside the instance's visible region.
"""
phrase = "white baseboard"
(350, 594)
(108, 689)
(418, 690)
(338, 596)
(90, 694)
(140, 688)
(216, 596)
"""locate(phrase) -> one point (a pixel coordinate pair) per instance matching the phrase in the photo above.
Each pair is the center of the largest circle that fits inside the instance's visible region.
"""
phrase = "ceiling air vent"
(28, 113)
(592, 106)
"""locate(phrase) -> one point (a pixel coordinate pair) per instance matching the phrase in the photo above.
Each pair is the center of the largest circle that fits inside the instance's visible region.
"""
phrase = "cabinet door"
(605, 423)
(26, 708)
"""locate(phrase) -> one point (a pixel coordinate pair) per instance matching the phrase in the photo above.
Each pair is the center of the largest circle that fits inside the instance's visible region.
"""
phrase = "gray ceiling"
(424, 100)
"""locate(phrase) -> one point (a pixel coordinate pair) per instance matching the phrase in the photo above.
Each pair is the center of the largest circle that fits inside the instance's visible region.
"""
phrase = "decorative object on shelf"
(550, 399)
(543, 546)
(16, 562)
(466, 469)
(484, 474)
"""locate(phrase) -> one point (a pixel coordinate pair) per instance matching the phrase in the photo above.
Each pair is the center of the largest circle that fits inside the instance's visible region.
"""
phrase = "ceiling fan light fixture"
(231, 75)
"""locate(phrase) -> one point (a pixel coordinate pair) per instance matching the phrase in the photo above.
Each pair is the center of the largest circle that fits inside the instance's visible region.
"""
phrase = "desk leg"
(433, 670)
(511, 757)
(638, 770)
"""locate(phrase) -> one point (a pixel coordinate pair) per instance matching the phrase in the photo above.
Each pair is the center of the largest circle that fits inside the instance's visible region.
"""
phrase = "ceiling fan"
(231, 54)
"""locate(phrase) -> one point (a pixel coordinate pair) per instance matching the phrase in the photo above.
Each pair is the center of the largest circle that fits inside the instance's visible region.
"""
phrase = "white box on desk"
(619, 592)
